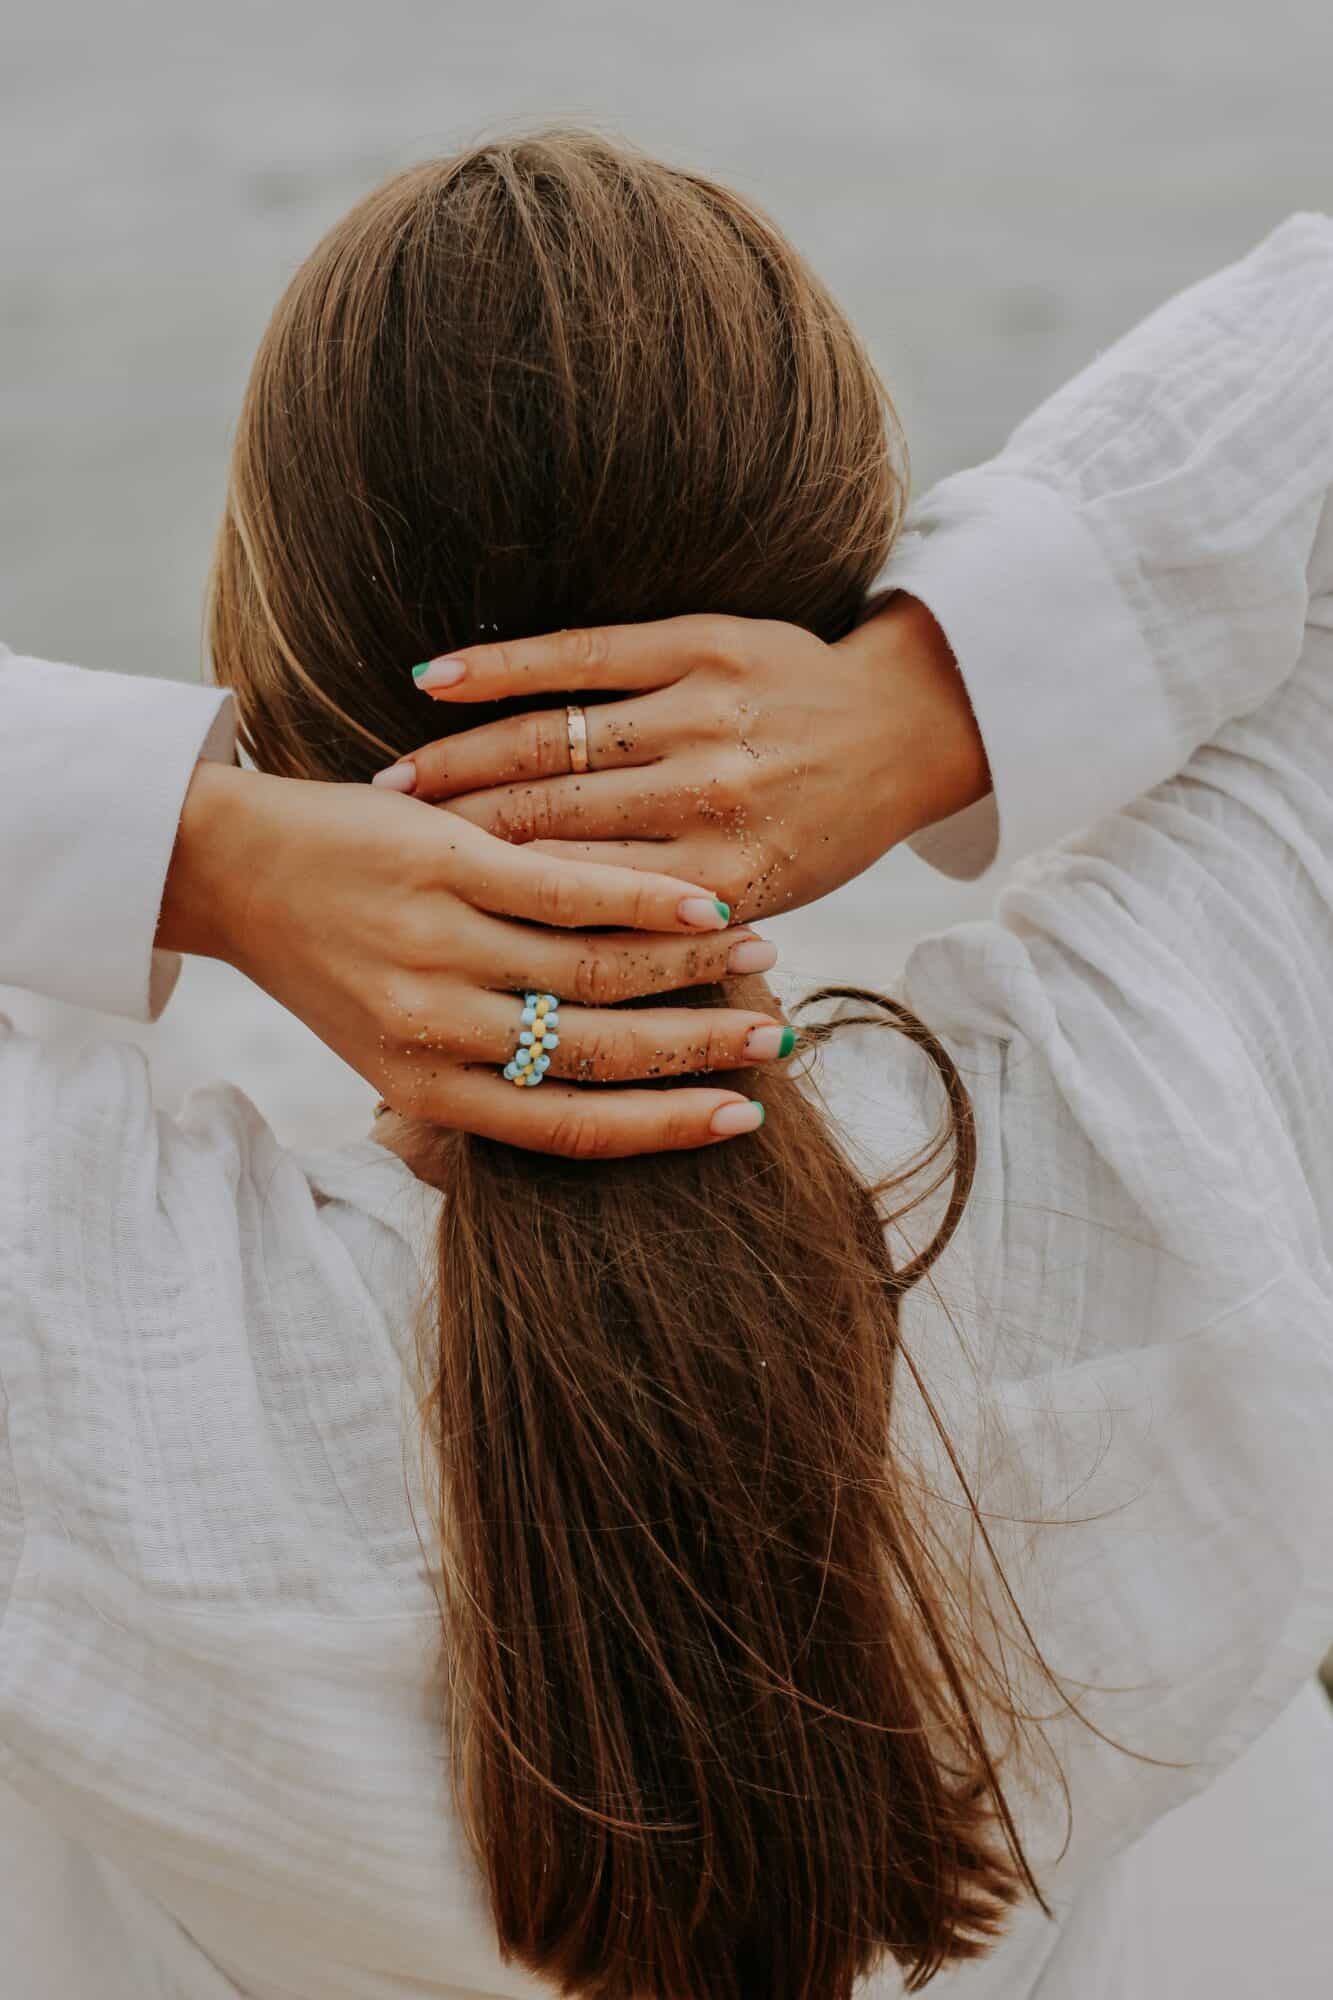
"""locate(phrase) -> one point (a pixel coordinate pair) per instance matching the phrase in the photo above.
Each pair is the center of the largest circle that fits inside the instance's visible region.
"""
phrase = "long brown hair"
(719, 1726)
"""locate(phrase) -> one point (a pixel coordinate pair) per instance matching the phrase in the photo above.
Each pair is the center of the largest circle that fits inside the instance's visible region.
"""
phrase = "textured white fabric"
(78, 898)
(216, 1655)
(1138, 547)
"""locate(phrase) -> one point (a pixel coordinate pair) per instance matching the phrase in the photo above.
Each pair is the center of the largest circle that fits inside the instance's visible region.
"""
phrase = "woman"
(840, 1564)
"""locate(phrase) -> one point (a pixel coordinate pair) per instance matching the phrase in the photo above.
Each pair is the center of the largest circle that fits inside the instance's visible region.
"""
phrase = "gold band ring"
(576, 729)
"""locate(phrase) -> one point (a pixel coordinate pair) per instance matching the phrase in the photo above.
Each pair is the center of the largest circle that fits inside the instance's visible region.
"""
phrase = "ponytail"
(713, 1732)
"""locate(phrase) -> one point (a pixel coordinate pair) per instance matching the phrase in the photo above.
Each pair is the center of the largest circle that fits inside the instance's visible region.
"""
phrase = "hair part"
(720, 1722)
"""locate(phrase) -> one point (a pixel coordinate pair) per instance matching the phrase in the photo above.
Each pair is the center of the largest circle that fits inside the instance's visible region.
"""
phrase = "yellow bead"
(543, 1007)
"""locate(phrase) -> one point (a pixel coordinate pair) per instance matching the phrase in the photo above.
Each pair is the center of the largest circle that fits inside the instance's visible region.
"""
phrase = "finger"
(578, 895)
(735, 869)
(596, 1124)
(529, 747)
(688, 857)
(605, 1045)
(601, 971)
(598, 656)
(609, 806)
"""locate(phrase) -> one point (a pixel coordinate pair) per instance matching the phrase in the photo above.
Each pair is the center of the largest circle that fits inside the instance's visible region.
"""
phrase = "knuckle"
(579, 1136)
(523, 815)
(723, 797)
(548, 754)
(558, 899)
(401, 1007)
(583, 648)
(597, 1057)
(503, 817)
(597, 981)
(716, 641)
(540, 818)
(415, 863)
(417, 1025)
(640, 911)
(719, 1049)
(453, 1039)
(415, 941)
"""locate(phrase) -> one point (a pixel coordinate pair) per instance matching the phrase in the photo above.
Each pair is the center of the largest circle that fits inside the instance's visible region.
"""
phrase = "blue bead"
(553, 1017)
(550, 999)
(528, 1016)
(532, 998)
(510, 1071)
(525, 1039)
(542, 1064)
(553, 1041)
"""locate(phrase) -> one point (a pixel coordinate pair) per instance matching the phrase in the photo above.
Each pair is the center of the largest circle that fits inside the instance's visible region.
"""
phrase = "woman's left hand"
(404, 937)
(740, 752)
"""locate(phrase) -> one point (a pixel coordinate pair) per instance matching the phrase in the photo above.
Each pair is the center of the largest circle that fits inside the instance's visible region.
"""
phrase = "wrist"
(198, 913)
(933, 758)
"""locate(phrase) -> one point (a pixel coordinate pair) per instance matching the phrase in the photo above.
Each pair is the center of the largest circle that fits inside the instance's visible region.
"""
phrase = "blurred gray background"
(994, 193)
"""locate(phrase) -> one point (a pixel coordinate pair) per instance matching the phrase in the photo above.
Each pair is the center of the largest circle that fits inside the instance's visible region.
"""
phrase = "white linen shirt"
(217, 1693)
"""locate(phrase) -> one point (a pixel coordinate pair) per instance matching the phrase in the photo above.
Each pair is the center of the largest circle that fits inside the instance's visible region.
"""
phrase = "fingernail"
(438, 674)
(765, 1044)
(753, 955)
(730, 1120)
(400, 777)
(703, 913)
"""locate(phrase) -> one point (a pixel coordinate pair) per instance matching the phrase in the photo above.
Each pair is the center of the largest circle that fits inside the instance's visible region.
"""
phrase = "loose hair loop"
(957, 1142)
(721, 1725)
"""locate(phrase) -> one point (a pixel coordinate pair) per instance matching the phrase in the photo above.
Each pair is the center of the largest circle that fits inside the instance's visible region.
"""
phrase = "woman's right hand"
(738, 751)
(389, 929)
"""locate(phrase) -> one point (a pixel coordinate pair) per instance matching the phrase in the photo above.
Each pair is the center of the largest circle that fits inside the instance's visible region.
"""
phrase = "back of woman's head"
(715, 1728)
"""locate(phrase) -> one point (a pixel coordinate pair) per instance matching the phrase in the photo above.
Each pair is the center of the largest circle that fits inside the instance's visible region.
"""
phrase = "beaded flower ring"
(537, 1037)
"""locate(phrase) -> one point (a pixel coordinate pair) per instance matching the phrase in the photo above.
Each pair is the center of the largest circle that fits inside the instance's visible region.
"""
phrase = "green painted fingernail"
(729, 1121)
(788, 1042)
(723, 909)
(432, 674)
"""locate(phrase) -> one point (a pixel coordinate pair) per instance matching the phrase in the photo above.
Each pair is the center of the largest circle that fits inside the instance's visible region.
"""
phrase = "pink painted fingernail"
(730, 1120)
(703, 913)
(438, 674)
(766, 1044)
(400, 777)
(752, 955)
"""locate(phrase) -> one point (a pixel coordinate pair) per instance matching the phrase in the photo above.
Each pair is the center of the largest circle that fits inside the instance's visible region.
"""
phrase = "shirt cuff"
(94, 768)
(1065, 692)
